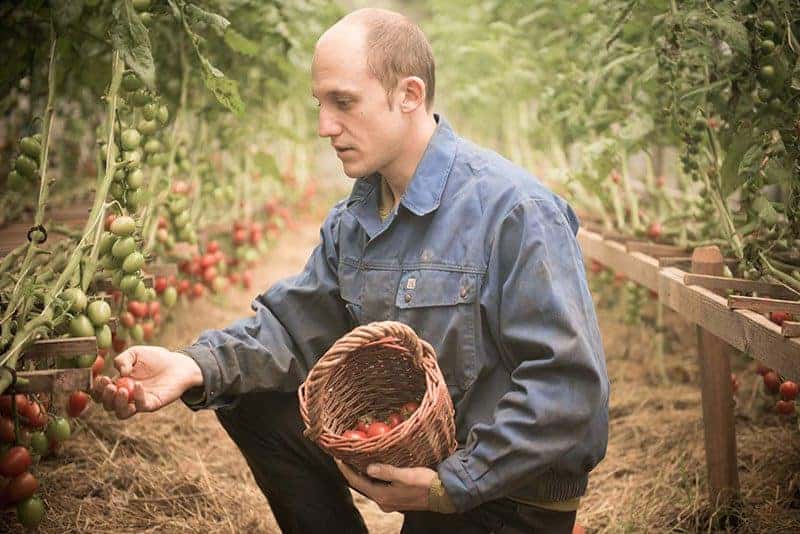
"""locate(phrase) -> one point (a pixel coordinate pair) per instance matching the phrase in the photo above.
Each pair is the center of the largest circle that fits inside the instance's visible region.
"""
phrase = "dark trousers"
(308, 494)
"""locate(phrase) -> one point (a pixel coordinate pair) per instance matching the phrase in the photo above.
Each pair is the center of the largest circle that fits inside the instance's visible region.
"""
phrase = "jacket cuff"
(458, 484)
(207, 395)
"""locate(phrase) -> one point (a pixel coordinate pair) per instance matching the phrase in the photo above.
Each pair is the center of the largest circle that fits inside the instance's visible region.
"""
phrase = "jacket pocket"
(441, 306)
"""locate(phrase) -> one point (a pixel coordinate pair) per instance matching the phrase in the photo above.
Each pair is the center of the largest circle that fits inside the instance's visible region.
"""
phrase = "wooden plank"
(635, 266)
(790, 329)
(763, 305)
(72, 346)
(745, 330)
(55, 380)
(654, 249)
(723, 283)
(717, 396)
(676, 261)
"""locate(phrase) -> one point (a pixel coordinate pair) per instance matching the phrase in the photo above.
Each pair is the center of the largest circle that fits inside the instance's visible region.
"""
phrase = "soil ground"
(177, 471)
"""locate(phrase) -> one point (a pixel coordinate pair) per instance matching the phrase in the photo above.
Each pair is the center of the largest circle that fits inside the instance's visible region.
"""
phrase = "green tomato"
(116, 278)
(133, 262)
(84, 361)
(137, 334)
(141, 292)
(152, 146)
(108, 262)
(30, 147)
(107, 243)
(16, 181)
(163, 114)
(149, 111)
(39, 444)
(136, 198)
(99, 312)
(170, 297)
(81, 326)
(77, 299)
(140, 98)
(30, 512)
(123, 247)
(135, 179)
(147, 127)
(141, 5)
(130, 138)
(58, 430)
(128, 283)
(123, 226)
(116, 191)
(130, 82)
(103, 335)
(26, 166)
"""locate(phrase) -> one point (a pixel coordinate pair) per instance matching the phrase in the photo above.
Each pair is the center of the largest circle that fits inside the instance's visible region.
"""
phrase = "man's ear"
(412, 93)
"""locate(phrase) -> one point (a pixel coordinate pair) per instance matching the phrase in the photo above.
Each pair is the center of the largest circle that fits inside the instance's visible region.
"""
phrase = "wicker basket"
(371, 372)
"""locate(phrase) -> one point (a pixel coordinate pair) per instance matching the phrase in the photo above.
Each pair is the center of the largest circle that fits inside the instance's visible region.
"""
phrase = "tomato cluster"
(774, 385)
(368, 427)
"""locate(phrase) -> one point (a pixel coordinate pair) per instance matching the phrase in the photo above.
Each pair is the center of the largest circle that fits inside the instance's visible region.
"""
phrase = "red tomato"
(233, 278)
(595, 267)
(160, 284)
(126, 383)
(5, 403)
(15, 461)
(363, 425)
(119, 344)
(102, 352)
(247, 279)
(734, 383)
(138, 309)
(157, 318)
(654, 230)
(408, 408)
(354, 435)
(110, 218)
(209, 274)
(153, 307)
(98, 365)
(148, 329)
(762, 369)
(21, 487)
(162, 223)
(198, 290)
(239, 236)
(184, 286)
(6, 430)
(34, 414)
(394, 419)
(784, 407)
(255, 237)
(212, 247)
(208, 260)
(77, 403)
(788, 390)
(778, 317)
(127, 319)
(771, 382)
(377, 429)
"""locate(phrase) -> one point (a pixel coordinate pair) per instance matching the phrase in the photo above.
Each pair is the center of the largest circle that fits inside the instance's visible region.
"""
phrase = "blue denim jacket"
(481, 260)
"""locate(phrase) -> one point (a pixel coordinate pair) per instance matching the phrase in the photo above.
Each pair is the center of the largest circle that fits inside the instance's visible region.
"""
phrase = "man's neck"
(398, 175)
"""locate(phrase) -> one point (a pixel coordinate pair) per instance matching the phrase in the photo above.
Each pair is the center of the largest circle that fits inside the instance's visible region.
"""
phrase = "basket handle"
(312, 391)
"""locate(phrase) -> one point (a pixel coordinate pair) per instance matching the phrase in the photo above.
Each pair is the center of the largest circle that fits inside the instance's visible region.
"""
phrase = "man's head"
(373, 75)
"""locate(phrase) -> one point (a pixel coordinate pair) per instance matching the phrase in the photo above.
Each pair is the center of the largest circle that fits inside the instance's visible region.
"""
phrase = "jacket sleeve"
(295, 322)
(539, 310)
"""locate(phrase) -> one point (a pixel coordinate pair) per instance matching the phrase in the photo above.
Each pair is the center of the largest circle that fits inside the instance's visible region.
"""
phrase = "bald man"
(471, 251)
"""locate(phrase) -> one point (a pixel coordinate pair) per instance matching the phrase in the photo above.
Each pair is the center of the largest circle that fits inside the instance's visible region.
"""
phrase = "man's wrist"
(438, 499)
(196, 377)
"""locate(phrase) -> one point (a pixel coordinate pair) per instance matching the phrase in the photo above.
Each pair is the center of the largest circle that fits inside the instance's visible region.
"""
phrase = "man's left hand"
(407, 487)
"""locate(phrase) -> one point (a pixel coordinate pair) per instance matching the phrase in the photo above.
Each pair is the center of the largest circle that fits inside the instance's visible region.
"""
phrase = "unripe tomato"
(58, 430)
(123, 226)
(39, 444)
(137, 335)
(99, 312)
(130, 82)
(81, 326)
(170, 297)
(31, 148)
(25, 166)
(130, 139)
(103, 336)
(77, 299)
(30, 512)
(133, 262)
(84, 361)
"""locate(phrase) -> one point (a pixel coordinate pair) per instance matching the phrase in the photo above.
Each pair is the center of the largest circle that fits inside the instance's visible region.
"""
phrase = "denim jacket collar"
(425, 190)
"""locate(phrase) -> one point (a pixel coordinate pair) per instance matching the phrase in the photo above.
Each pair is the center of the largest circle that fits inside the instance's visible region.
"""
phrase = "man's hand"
(162, 376)
(407, 490)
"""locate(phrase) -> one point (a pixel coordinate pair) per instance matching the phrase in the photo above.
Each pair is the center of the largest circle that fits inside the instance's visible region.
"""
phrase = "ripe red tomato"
(212, 247)
(239, 236)
(127, 319)
(137, 308)
(127, 383)
(233, 278)
(98, 365)
(148, 329)
(654, 230)
(247, 279)
(208, 260)
(354, 435)
(616, 177)
(209, 273)
(119, 343)
(788, 390)
(784, 407)
(5, 403)
(21, 487)
(15, 461)
(6, 430)
(153, 307)
(160, 284)
(595, 267)
(77, 403)
(377, 429)
(255, 237)
(408, 408)
(184, 286)
(363, 425)
(109, 219)
(34, 414)
(778, 317)
(394, 419)
(771, 382)
(762, 369)
(734, 383)
(198, 290)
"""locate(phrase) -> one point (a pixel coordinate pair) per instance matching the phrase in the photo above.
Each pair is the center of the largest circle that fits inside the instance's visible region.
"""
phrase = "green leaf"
(130, 37)
(197, 14)
(66, 12)
(729, 173)
(224, 89)
(765, 210)
(777, 172)
(239, 43)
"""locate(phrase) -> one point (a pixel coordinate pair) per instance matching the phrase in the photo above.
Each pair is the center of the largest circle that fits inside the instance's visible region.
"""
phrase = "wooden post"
(715, 382)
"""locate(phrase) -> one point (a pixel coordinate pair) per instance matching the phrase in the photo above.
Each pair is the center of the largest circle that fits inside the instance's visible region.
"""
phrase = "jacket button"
(408, 297)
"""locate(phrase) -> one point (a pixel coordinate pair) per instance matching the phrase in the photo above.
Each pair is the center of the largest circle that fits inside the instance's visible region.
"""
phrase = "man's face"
(353, 108)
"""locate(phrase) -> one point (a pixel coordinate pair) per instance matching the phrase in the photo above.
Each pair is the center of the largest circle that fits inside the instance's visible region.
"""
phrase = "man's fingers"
(108, 397)
(122, 407)
(387, 473)
(125, 361)
(98, 387)
(356, 481)
(142, 401)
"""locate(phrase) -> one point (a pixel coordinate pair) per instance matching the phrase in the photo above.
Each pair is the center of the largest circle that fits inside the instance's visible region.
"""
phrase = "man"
(468, 249)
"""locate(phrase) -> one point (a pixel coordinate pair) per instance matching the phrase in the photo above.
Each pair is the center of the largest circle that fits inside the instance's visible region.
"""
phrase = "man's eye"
(343, 104)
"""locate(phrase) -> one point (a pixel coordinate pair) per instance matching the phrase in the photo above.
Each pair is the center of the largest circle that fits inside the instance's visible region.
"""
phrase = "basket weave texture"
(371, 372)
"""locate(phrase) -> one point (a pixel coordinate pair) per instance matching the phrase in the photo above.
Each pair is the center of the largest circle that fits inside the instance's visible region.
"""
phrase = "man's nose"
(327, 125)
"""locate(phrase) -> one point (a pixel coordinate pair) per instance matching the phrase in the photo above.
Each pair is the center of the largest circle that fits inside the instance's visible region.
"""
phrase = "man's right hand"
(161, 376)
